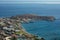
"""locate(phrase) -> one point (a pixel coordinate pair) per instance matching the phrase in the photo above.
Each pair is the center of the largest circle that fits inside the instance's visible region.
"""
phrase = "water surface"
(48, 30)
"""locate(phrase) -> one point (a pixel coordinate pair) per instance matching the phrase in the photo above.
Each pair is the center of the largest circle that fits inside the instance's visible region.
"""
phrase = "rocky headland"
(35, 17)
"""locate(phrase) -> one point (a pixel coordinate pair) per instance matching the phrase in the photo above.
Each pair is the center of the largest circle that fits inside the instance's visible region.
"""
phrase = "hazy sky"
(30, 1)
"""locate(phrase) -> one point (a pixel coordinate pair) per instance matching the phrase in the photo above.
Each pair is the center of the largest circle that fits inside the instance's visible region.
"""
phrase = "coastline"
(10, 28)
(14, 26)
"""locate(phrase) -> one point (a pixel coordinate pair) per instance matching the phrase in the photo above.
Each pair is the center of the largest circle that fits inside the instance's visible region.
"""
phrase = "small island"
(11, 28)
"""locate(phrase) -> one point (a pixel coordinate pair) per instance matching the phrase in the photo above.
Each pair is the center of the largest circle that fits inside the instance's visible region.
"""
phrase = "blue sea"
(45, 29)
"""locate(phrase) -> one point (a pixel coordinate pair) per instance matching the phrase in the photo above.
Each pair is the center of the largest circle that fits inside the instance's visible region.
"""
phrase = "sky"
(31, 1)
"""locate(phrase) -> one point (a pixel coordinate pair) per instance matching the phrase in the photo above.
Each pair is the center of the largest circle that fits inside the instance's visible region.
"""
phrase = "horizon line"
(31, 2)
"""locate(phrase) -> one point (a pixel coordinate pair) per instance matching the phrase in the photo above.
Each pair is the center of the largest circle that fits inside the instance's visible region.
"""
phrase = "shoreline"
(12, 27)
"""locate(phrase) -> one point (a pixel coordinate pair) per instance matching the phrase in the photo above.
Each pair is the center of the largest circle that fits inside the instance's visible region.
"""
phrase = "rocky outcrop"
(35, 17)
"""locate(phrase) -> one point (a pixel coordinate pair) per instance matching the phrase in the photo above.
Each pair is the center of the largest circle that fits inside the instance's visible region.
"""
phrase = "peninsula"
(11, 28)
(34, 17)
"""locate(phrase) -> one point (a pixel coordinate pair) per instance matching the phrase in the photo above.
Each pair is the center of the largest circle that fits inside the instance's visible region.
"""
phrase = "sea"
(46, 29)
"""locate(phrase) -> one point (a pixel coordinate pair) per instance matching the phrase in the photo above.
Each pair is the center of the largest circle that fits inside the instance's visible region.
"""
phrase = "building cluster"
(11, 29)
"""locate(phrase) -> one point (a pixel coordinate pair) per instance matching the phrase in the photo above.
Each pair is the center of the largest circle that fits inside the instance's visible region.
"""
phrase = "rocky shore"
(11, 28)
